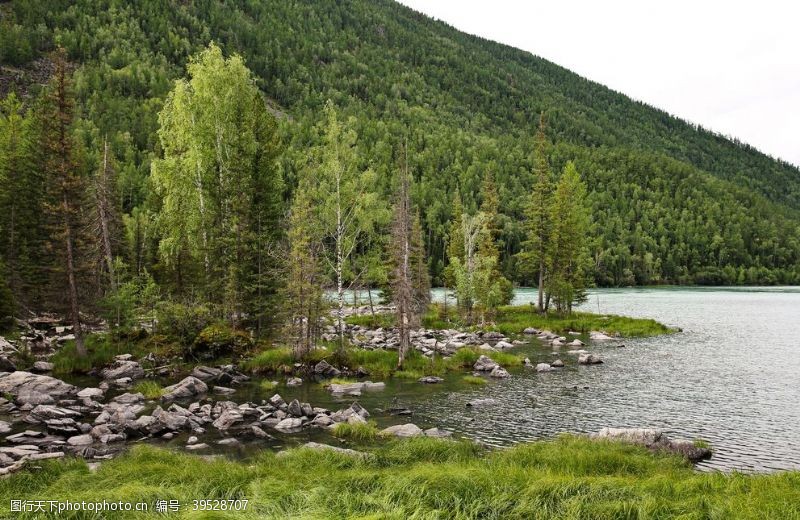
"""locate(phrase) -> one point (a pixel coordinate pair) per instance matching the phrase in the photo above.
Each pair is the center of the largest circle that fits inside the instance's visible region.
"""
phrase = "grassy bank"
(420, 478)
(514, 319)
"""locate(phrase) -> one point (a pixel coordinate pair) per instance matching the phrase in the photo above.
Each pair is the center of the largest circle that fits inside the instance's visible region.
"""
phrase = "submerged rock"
(499, 372)
(589, 359)
(430, 380)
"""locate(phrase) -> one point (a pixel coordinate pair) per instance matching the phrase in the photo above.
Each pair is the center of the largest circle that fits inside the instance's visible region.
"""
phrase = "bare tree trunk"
(371, 306)
(541, 285)
(80, 348)
(103, 208)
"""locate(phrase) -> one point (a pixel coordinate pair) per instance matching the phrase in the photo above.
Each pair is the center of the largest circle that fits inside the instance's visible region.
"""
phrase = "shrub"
(182, 322)
(220, 340)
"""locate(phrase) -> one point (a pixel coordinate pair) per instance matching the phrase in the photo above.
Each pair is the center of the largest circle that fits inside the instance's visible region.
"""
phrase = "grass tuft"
(150, 389)
(474, 380)
(357, 432)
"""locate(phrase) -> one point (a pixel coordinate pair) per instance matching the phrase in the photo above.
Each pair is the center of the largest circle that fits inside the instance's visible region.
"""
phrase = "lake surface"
(731, 377)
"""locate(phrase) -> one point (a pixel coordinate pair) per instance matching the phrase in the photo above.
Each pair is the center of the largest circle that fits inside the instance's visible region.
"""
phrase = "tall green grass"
(568, 478)
(100, 351)
(150, 389)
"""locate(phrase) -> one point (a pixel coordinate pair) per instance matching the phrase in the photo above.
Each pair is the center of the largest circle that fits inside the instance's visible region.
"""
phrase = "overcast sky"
(733, 67)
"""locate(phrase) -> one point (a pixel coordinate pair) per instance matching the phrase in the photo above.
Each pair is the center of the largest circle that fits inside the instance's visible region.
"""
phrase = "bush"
(100, 351)
(220, 340)
(183, 323)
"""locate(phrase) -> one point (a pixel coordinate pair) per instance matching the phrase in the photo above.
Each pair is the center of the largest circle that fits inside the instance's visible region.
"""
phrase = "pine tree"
(568, 258)
(496, 289)
(107, 224)
(538, 214)
(304, 276)
(455, 244)
(66, 190)
(410, 282)
(22, 231)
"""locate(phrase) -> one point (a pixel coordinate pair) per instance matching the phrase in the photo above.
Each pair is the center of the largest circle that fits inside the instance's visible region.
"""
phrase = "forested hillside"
(669, 202)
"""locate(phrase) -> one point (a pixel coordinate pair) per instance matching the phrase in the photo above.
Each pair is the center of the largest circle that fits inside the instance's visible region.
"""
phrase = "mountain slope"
(671, 202)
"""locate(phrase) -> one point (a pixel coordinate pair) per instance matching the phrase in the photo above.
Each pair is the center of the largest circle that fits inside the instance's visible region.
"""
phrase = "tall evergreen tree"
(534, 253)
(304, 275)
(66, 190)
(568, 258)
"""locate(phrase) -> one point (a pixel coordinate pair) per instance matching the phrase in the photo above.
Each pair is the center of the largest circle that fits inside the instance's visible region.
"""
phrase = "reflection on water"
(731, 377)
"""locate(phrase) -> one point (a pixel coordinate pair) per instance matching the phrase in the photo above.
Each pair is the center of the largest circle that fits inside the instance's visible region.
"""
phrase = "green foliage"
(570, 477)
(100, 351)
(149, 389)
(183, 322)
(219, 340)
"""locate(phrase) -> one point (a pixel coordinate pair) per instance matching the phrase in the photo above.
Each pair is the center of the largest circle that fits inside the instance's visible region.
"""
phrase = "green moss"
(150, 389)
(566, 478)
(218, 341)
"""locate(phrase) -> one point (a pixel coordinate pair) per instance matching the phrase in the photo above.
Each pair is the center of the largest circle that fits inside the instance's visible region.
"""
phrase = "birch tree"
(347, 207)
(220, 188)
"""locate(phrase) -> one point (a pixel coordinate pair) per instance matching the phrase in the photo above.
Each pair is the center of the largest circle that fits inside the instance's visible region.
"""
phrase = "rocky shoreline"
(52, 419)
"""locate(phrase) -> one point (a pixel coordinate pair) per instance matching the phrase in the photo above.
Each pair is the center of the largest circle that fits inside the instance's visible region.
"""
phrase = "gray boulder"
(403, 430)
(544, 367)
(35, 389)
(654, 440)
(485, 364)
(123, 368)
(187, 388)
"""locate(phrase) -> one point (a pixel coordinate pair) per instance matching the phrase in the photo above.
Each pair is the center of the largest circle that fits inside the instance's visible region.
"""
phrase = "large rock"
(543, 367)
(187, 388)
(599, 336)
(654, 440)
(122, 368)
(325, 447)
(35, 389)
(485, 364)
(403, 430)
(503, 345)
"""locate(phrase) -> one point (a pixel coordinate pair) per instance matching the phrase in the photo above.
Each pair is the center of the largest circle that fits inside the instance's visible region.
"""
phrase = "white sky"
(733, 67)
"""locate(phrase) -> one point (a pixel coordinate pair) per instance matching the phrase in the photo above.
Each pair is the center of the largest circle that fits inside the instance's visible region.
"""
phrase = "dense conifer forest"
(103, 101)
